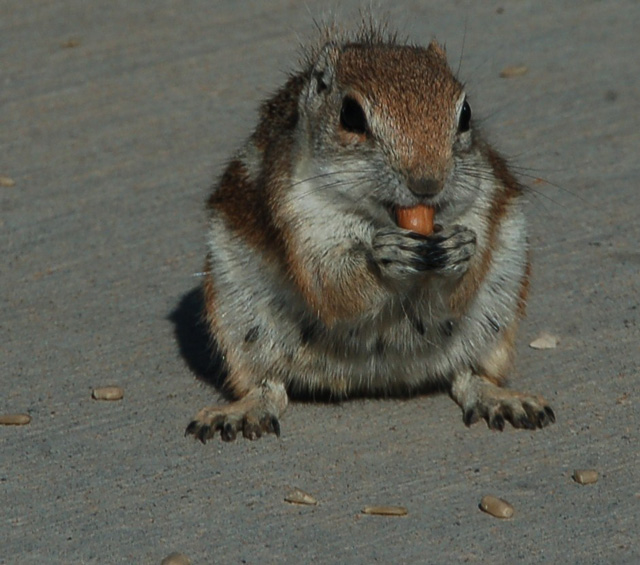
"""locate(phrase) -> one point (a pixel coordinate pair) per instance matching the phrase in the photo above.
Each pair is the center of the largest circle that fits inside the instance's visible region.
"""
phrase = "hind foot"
(480, 398)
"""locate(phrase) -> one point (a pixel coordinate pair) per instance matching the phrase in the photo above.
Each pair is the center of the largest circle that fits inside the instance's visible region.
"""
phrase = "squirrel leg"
(257, 412)
(479, 398)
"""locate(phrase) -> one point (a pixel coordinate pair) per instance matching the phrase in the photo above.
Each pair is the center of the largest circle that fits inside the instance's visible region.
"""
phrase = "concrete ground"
(115, 117)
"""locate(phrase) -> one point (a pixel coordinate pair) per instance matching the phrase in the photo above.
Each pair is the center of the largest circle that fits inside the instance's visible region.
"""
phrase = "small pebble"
(14, 419)
(176, 559)
(385, 510)
(544, 341)
(513, 71)
(107, 393)
(496, 506)
(7, 182)
(585, 476)
(297, 496)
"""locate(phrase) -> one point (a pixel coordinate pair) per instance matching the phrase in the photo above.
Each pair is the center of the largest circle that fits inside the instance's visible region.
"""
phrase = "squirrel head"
(397, 109)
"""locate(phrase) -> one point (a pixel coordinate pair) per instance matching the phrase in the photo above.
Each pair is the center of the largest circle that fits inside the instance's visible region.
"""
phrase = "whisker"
(555, 185)
(362, 177)
(318, 176)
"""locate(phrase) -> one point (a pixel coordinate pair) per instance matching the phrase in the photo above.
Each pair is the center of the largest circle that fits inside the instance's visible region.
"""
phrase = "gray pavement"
(115, 117)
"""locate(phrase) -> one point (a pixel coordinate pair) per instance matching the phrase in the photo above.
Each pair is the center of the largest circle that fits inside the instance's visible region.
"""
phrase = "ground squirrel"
(311, 287)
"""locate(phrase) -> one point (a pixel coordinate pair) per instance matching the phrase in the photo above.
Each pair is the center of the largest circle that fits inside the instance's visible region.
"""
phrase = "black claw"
(270, 425)
(275, 426)
(541, 419)
(191, 428)
(470, 417)
(550, 414)
(229, 432)
(497, 422)
(203, 433)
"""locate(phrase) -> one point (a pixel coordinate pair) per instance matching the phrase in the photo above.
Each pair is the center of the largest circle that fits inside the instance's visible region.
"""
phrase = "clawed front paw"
(254, 414)
(401, 253)
(229, 422)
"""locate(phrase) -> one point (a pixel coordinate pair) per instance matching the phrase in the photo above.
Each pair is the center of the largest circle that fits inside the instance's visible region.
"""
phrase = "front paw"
(255, 414)
(231, 419)
(400, 254)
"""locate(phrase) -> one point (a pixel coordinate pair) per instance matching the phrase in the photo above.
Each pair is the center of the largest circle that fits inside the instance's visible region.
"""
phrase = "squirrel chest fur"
(312, 287)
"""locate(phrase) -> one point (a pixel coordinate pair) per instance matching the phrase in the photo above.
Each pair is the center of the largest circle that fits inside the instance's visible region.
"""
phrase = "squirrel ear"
(438, 51)
(323, 70)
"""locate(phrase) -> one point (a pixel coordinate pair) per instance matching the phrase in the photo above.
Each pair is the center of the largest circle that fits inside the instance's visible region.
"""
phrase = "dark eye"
(352, 117)
(465, 117)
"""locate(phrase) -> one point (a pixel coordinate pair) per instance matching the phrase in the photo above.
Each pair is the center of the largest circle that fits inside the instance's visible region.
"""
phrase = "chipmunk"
(311, 287)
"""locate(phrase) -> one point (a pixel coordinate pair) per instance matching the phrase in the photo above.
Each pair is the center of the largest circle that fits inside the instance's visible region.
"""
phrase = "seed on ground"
(297, 496)
(514, 71)
(496, 506)
(176, 559)
(107, 393)
(585, 476)
(14, 419)
(544, 341)
(385, 510)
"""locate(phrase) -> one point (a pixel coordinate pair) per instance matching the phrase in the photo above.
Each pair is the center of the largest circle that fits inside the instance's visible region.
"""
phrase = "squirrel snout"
(424, 186)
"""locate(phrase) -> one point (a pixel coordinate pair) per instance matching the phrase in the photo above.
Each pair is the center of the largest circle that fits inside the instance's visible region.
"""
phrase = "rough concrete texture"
(115, 119)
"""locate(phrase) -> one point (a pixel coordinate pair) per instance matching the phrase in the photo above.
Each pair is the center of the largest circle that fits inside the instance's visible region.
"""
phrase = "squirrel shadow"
(197, 347)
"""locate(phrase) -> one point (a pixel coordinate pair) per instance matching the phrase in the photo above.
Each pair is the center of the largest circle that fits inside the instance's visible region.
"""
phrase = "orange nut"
(418, 218)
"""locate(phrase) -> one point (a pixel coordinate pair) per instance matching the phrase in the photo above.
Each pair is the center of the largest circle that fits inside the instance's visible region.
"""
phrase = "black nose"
(424, 186)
